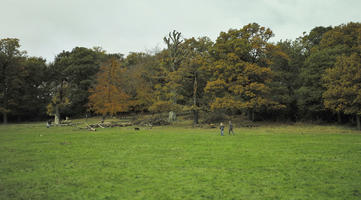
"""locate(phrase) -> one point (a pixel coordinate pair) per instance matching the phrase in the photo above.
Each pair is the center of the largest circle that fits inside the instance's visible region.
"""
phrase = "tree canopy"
(107, 97)
(314, 77)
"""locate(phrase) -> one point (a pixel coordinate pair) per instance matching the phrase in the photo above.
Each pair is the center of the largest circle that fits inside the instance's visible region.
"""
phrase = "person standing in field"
(48, 123)
(222, 128)
(230, 128)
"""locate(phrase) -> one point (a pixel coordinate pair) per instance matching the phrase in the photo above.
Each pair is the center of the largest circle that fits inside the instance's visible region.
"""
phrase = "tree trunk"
(5, 104)
(251, 115)
(57, 115)
(358, 122)
(195, 111)
(339, 119)
(5, 118)
(195, 116)
(5, 97)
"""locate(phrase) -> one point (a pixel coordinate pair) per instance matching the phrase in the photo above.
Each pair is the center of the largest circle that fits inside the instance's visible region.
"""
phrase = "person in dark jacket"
(222, 128)
(48, 124)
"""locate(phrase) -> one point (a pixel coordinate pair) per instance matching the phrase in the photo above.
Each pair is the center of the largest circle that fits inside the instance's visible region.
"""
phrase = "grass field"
(266, 162)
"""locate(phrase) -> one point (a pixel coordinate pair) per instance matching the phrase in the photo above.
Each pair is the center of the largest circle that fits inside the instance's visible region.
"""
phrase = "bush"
(155, 120)
(215, 117)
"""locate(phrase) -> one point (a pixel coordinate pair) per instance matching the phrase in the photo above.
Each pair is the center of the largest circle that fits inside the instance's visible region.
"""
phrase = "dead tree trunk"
(57, 115)
(172, 116)
(176, 55)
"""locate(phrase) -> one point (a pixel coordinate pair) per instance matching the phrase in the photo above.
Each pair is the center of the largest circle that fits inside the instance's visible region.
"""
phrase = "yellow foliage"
(343, 85)
(163, 106)
(215, 85)
(224, 103)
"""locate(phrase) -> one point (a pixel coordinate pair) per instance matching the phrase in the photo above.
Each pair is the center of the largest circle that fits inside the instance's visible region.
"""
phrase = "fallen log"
(91, 128)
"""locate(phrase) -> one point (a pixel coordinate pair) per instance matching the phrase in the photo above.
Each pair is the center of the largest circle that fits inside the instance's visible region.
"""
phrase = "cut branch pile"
(150, 122)
(110, 124)
(101, 124)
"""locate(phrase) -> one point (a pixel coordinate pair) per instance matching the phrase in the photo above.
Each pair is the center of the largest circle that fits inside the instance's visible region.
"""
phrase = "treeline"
(315, 77)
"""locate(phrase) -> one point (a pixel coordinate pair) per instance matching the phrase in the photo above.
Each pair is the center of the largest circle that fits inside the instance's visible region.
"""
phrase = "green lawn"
(267, 162)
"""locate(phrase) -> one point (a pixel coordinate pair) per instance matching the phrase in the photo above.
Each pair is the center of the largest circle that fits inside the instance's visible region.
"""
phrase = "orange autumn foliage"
(107, 97)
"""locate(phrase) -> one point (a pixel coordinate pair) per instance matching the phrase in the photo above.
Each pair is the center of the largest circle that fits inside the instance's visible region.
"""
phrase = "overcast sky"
(46, 27)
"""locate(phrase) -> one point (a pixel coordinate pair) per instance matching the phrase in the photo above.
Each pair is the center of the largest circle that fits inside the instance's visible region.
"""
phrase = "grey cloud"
(46, 27)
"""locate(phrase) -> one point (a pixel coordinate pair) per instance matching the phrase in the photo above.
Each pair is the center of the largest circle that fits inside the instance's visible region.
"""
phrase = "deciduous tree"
(343, 86)
(286, 61)
(107, 96)
(323, 45)
(79, 67)
(241, 70)
(194, 78)
(10, 69)
(175, 56)
(33, 91)
(139, 80)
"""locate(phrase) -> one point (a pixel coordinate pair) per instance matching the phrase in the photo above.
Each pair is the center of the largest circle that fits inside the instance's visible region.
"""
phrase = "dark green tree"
(33, 93)
(323, 45)
(286, 61)
(10, 75)
(78, 68)
(194, 77)
(309, 95)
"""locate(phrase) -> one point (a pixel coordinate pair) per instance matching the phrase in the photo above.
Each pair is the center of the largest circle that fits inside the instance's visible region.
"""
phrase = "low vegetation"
(268, 161)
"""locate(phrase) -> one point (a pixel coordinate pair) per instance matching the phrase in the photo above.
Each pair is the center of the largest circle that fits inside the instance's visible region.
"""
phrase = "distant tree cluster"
(315, 77)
